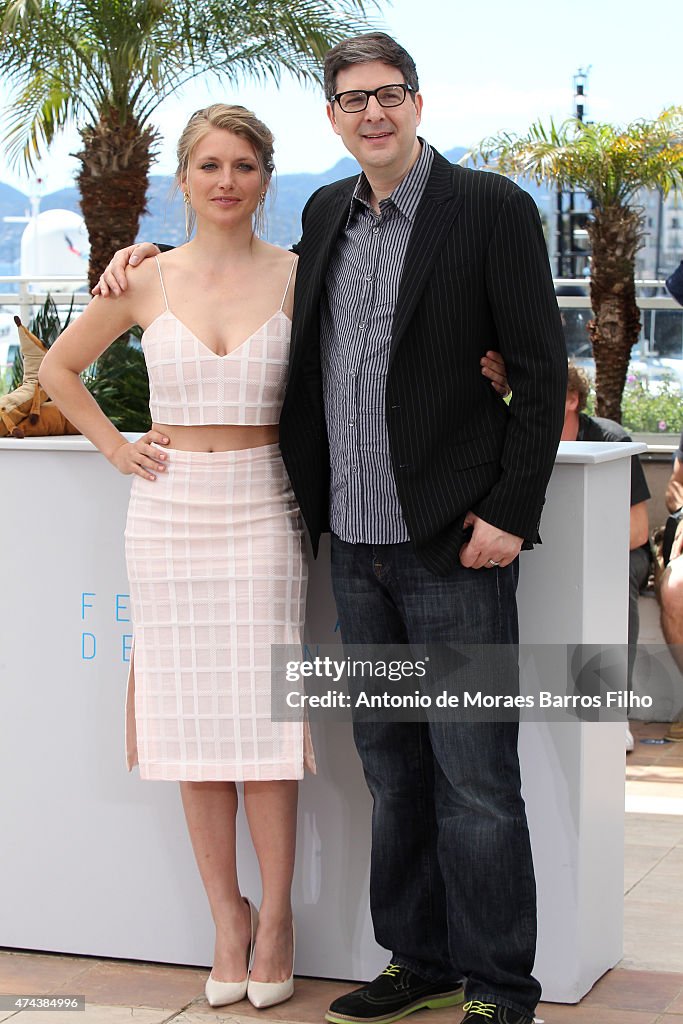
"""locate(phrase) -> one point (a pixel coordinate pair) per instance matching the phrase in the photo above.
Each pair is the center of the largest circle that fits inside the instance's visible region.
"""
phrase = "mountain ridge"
(165, 220)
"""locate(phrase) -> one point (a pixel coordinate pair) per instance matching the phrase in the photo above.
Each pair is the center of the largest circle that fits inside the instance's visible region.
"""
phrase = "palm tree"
(107, 64)
(611, 165)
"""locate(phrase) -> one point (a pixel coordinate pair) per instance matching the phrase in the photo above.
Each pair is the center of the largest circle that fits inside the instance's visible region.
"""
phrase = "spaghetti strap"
(162, 283)
(289, 281)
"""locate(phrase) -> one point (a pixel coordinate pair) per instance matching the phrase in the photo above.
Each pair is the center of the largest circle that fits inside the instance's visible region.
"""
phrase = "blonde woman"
(214, 535)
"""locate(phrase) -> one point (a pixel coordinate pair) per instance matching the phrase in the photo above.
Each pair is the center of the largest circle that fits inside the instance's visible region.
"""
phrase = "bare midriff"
(215, 438)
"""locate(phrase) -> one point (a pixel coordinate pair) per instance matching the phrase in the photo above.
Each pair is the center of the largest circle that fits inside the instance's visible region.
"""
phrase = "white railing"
(17, 296)
(663, 301)
(22, 299)
(21, 294)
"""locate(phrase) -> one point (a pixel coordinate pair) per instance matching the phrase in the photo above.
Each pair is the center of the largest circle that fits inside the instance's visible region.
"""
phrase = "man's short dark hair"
(364, 49)
(578, 383)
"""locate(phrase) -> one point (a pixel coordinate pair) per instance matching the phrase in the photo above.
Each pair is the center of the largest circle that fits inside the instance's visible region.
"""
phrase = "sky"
(478, 76)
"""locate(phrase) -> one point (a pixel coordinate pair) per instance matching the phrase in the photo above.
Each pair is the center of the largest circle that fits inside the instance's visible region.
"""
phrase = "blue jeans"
(452, 888)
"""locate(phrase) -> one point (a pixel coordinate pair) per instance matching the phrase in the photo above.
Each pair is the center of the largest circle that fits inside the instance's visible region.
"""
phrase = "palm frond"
(47, 323)
(610, 163)
(34, 121)
(72, 58)
(109, 63)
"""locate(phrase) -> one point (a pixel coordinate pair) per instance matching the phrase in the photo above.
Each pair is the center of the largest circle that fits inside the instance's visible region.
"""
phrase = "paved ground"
(646, 987)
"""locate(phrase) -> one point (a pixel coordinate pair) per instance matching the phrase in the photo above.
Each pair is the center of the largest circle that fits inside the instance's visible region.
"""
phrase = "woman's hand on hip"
(141, 457)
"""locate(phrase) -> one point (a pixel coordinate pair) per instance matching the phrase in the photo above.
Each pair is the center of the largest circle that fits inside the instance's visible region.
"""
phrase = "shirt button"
(352, 423)
(353, 373)
(361, 327)
(369, 277)
(375, 231)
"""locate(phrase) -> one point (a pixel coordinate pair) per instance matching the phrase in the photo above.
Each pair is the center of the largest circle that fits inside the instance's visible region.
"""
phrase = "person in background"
(674, 284)
(580, 427)
(670, 589)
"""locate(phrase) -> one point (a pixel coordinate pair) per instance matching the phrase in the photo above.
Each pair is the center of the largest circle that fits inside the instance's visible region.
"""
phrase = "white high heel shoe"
(222, 993)
(268, 993)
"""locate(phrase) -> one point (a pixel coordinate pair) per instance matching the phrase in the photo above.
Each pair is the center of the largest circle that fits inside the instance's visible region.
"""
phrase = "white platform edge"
(585, 452)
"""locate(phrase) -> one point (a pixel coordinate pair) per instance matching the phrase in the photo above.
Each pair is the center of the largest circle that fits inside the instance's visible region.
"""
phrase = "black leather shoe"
(490, 1013)
(394, 994)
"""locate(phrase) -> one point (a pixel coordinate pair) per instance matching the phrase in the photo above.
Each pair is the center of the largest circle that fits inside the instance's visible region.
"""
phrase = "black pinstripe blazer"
(476, 276)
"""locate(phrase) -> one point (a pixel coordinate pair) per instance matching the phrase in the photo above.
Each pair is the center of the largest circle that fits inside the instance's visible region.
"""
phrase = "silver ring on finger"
(494, 564)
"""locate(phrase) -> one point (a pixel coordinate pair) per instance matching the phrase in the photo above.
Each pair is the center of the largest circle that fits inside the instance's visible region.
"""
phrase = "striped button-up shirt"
(357, 313)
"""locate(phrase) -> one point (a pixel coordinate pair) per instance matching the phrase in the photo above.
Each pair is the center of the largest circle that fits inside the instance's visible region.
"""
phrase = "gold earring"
(189, 216)
(259, 215)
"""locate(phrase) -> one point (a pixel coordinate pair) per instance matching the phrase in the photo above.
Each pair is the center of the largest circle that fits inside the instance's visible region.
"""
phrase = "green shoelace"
(482, 1009)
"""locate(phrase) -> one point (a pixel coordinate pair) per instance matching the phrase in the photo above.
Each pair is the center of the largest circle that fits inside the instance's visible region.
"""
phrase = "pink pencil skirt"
(217, 572)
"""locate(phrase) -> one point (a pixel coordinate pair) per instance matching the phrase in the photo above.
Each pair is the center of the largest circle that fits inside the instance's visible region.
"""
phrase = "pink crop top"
(189, 385)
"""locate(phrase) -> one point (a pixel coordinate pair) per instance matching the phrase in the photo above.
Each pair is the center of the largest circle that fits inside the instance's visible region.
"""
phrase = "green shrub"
(119, 383)
(653, 408)
(649, 407)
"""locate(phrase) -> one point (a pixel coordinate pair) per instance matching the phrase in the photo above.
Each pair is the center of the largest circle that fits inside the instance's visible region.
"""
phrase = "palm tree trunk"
(614, 329)
(113, 180)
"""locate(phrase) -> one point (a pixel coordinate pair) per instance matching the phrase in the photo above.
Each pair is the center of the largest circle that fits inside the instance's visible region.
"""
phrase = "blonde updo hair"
(231, 118)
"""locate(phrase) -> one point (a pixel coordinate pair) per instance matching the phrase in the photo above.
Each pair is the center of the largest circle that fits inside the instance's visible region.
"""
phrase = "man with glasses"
(430, 485)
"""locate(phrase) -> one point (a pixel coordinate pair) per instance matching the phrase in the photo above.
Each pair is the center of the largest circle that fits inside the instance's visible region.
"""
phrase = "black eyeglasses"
(355, 100)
